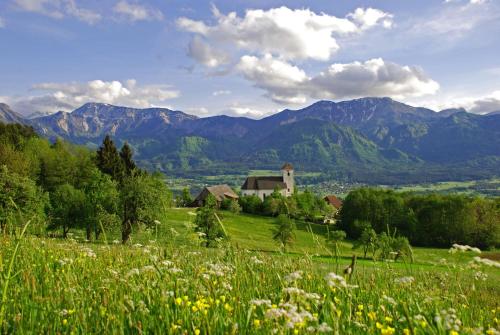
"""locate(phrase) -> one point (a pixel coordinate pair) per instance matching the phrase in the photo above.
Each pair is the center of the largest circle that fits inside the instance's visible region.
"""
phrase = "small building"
(220, 192)
(263, 186)
(333, 201)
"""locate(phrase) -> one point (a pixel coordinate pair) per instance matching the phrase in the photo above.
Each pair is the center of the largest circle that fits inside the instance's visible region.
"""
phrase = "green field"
(165, 282)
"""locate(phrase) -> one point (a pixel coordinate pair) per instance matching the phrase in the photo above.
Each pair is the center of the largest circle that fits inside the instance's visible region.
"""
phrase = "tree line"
(432, 220)
(60, 186)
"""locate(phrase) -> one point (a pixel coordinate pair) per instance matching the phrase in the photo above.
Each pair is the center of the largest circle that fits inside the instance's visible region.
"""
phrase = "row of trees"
(426, 220)
(62, 186)
(301, 205)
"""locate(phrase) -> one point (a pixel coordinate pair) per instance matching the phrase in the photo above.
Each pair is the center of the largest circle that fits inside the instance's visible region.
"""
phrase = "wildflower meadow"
(55, 286)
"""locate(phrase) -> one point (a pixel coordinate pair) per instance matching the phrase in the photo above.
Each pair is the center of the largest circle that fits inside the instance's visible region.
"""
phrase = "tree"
(207, 223)
(251, 204)
(20, 200)
(185, 200)
(108, 160)
(284, 234)
(144, 198)
(68, 208)
(126, 154)
(102, 199)
(367, 241)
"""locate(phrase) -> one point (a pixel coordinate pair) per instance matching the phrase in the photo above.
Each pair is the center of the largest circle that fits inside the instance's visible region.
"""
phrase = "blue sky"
(248, 58)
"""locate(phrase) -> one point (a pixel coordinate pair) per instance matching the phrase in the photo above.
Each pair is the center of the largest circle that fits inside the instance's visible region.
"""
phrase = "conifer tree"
(127, 161)
(108, 159)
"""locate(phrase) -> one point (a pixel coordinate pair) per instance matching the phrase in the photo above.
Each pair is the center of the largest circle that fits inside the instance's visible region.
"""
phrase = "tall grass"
(68, 287)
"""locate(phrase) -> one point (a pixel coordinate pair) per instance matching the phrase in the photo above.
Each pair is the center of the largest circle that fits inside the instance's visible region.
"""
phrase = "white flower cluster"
(463, 248)
(299, 294)
(404, 280)
(89, 253)
(255, 260)
(290, 313)
(294, 276)
(448, 319)
(480, 276)
(336, 281)
(485, 261)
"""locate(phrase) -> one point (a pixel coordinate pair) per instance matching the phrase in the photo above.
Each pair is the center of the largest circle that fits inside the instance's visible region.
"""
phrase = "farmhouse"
(264, 186)
(220, 192)
(333, 201)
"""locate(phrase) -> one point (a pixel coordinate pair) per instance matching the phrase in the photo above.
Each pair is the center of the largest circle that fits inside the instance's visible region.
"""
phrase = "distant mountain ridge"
(367, 138)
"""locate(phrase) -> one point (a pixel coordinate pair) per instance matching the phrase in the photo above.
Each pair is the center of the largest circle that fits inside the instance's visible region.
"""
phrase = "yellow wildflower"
(360, 307)
(65, 322)
(453, 332)
(256, 323)
(379, 325)
(372, 315)
(406, 331)
(178, 301)
(387, 331)
(388, 319)
(196, 331)
(423, 324)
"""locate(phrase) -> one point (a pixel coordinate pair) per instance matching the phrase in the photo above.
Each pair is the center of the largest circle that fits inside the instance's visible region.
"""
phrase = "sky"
(248, 58)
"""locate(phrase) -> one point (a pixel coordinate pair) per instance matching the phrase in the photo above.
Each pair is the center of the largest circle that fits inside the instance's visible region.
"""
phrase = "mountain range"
(369, 139)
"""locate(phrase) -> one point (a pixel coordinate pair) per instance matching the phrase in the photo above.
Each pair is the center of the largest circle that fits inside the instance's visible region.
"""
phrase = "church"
(264, 186)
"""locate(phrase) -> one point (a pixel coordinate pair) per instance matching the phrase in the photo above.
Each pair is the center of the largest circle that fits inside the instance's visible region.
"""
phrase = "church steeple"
(288, 178)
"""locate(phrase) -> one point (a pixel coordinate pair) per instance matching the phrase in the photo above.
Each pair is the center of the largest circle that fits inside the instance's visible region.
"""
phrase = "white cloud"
(370, 17)
(486, 104)
(135, 12)
(455, 21)
(478, 104)
(205, 54)
(198, 111)
(283, 32)
(282, 81)
(68, 96)
(59, 9)
(221, 92)
(285, 83)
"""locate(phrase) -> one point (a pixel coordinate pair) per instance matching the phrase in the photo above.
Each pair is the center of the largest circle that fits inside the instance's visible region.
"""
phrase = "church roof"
(287, 167)
(264, 183)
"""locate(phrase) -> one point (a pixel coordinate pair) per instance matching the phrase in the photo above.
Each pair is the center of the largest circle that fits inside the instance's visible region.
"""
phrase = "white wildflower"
(293, 276)
(334, 280)
(255, 260)
(480, 276)
(485, 261)
(261, 302)
(463, 248)
(324, 328)
(404, 280)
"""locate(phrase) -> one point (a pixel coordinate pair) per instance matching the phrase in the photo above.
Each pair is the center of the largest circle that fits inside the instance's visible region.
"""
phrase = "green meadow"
(164, 282)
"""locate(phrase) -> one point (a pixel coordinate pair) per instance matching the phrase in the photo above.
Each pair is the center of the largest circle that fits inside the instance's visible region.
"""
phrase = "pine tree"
(126, 154)
(108, 159)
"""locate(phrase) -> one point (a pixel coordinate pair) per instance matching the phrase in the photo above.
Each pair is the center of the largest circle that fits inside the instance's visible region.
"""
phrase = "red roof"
(334, 201)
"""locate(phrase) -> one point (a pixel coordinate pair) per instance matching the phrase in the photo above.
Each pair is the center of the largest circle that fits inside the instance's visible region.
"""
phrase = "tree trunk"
(126, 230)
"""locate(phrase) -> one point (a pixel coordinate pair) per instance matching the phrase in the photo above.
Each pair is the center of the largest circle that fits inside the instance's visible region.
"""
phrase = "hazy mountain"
(7, 115)
(365, 138)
